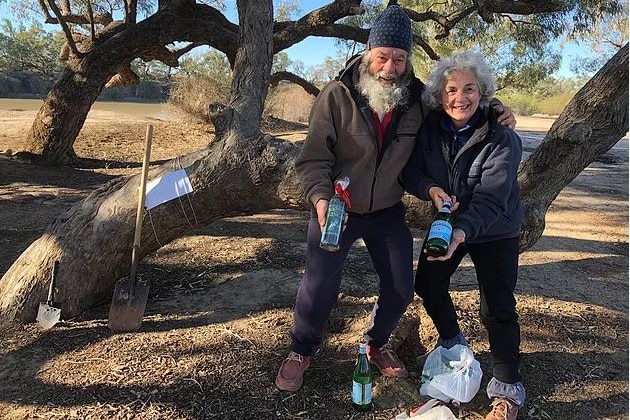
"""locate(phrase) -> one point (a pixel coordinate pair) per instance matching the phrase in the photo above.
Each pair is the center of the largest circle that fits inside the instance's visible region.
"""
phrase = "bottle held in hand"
(335, 216)
(362, 381)
(439, 236)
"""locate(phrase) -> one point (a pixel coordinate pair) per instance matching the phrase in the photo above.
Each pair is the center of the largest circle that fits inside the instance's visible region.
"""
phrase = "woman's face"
(460, 96)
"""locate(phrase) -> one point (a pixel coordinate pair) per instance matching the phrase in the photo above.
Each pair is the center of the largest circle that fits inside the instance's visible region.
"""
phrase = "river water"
(147, 110)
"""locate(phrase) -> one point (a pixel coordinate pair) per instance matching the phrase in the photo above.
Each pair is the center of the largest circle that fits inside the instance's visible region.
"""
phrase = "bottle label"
(361, 393)
(441, 229)
(331, 234)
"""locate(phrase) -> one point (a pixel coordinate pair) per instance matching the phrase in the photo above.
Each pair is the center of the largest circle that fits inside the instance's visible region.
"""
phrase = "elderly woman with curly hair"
(463, 155)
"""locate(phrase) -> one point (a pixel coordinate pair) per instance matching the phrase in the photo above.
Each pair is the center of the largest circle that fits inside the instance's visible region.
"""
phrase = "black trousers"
(390, 245)
(496, 265)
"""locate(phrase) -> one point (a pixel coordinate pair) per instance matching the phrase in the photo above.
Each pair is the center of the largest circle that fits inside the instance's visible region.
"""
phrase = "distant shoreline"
(142, 110)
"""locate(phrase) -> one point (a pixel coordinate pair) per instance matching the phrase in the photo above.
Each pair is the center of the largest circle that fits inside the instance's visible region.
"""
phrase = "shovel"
(50, 312)
(131, 293)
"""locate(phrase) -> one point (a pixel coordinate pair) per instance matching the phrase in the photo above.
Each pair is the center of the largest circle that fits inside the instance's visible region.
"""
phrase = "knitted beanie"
(392, 28)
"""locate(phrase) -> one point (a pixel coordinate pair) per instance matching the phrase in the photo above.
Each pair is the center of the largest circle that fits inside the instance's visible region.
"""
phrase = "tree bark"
(92, 241)
(242, 172)
(594, 120)
(65, 109)
(59, 121)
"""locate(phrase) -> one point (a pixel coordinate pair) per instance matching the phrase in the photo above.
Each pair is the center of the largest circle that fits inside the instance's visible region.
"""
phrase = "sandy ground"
(216, 324)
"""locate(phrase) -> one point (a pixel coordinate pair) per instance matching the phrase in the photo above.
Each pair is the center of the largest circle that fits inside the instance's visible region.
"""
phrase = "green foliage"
(212, 64)
(552, 86)
(29, 50)
(555, 104)
(606, 37)
(522, 67)
(527, 104)
(202, 80)
(521, 49)
(286, 10)
(145, 91)
(328, 70)
(154, 70)
(521, 103)
(281, 62)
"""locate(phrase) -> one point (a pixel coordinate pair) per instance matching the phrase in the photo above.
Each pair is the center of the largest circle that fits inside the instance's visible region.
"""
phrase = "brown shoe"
(387, 362)
(502, 409)
(291, 373)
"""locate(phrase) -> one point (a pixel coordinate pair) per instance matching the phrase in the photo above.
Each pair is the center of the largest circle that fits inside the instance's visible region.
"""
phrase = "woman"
(462, 154)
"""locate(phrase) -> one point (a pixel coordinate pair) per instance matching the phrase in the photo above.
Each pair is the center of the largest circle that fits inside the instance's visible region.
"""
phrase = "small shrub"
(554, 105)
(192, 94)
(289, 102)
(521, 104)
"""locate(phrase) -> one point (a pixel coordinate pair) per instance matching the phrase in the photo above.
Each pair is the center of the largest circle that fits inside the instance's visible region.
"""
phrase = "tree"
(593, 121)
(33, 50)
(605, 38)
(243, 171)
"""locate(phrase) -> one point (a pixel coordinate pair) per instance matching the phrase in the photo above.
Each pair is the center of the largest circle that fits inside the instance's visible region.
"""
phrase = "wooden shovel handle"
(53, 283)
(135, 252)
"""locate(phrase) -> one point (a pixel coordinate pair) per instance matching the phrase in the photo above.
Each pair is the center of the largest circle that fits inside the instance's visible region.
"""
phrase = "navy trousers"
(390, 245)
(496, 265)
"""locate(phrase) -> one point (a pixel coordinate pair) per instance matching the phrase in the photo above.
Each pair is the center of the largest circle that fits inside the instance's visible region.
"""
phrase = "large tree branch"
(100, 18)
(66, 29)
(91, 17)
(593, 121)
(131, 11)
(290, 33)
(520, 7)
(293, 78)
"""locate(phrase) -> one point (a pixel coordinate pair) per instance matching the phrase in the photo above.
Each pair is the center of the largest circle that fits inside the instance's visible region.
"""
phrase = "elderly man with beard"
(362, 125)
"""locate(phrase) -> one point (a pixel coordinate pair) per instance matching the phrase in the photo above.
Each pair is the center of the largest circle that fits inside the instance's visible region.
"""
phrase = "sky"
(314, 50)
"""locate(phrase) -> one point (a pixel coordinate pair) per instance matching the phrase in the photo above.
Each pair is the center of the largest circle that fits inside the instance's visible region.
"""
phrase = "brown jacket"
(342, 141)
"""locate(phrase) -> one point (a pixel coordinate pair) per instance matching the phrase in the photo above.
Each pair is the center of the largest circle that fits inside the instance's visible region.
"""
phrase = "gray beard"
(382, 98)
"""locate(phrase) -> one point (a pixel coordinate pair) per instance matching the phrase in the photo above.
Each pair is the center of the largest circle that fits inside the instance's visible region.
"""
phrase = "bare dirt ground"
(216, 325)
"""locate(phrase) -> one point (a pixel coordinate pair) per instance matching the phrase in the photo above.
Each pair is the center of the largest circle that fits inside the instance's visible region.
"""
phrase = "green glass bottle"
(335, 217)
(362, 382)
(439, 236)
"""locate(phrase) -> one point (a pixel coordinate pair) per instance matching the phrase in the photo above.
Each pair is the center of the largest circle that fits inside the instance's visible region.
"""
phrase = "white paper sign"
(166, 188)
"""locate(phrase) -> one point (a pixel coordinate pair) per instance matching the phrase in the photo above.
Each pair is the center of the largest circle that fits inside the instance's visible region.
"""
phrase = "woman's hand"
(457, 237)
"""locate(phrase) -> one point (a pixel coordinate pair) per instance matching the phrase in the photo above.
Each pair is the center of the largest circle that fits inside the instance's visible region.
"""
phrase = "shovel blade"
(47, 316)
(128, 304)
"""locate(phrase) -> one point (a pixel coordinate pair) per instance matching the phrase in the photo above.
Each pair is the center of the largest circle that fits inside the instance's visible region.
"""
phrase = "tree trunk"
(594, 120)
(59, 120)
(61, 117)
(92, 241)
(243, 172)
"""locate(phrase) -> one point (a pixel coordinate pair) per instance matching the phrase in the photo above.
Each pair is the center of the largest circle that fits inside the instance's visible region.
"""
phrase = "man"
(362, 125)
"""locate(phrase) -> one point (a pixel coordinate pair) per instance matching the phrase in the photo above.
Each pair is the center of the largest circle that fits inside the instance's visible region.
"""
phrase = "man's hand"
(438, 196)
(321, 207)
(505, 116)
(458, 236)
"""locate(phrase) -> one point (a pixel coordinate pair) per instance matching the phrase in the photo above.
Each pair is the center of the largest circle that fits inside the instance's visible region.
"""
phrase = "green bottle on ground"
(439, 236)
(362, 382)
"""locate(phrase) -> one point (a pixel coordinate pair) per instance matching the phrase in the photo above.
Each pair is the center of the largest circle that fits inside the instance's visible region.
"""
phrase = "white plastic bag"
(428, 411)
(451, 374)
